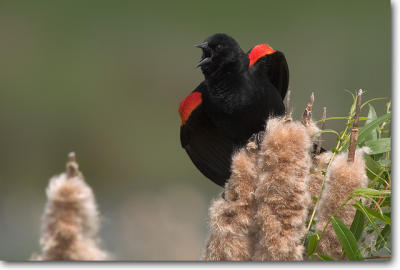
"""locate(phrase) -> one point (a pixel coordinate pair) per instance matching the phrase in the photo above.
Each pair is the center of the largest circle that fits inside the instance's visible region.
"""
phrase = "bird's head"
(220, 53)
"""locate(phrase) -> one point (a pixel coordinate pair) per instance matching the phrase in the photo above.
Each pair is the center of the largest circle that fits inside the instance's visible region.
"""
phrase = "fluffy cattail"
(320, 163)
(319, 166)
(343, 177)
(71, 220)
(346, 174)
(311, 128)
(230, 217)
(281, 196)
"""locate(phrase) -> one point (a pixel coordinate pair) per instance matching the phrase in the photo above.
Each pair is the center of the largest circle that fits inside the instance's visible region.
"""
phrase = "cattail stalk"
(343, 177)
(71, 219)
(333, 155)
(354, 130)
(306, 119)
(281, 196)
(230, 217)
(346, 173)
(288, 114)
(319, 166)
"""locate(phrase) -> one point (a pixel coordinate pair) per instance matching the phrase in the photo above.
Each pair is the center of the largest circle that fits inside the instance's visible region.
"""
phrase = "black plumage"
(240, 91)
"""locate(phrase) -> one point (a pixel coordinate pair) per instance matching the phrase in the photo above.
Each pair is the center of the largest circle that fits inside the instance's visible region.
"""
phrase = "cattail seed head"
(281, 196)
(319, 165)
(343, 177)
(71, 219)
(230, 218)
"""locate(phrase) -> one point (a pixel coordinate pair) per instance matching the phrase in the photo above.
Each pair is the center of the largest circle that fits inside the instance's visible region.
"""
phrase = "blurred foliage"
(369, 235)
(104, 79)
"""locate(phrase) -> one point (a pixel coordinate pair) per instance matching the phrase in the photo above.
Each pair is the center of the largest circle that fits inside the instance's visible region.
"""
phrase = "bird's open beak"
(203, 45)
(206, 59)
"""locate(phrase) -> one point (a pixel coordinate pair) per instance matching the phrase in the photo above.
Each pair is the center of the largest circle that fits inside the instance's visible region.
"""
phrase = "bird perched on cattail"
(239, 92)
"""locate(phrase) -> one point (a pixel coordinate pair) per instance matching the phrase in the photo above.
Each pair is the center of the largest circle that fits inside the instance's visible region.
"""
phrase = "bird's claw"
(255, 141)
(259, 138)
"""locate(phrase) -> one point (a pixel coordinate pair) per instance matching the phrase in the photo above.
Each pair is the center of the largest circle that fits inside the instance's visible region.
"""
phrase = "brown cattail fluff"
(312, 131)
(319, 166)
(70, 222)
(282, 196)
(230, 218)
(343, 177)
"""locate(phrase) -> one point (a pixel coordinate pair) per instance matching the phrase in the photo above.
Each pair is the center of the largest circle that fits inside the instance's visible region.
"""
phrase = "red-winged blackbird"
(239, 93)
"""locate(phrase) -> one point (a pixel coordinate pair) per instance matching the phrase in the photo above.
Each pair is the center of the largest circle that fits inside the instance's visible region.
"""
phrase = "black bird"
(239, 92)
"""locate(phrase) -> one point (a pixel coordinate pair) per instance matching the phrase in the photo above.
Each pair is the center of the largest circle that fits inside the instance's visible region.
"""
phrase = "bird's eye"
(219, 47)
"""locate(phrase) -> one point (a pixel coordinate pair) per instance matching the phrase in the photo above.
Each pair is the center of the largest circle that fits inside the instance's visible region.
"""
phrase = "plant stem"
(288, 115)
(306, 119)
(337, 149)
(72, 166)
(322, 128)
(378, 257)
(354, 130)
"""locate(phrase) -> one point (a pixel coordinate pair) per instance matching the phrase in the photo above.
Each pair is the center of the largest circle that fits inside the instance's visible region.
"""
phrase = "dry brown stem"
(306, 119)
(354, 130)
(288, 114)
(319, 145)
(72, 167)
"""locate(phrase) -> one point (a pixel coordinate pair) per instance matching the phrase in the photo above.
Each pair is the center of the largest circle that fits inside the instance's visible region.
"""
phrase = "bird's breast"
(238, 115)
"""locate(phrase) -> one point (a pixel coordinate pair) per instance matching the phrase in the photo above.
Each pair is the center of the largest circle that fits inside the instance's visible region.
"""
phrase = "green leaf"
(366, 130)
(347, 239)
(323, 257)
(379, 146)
(385, 162)
(368, 101)
(329, 131)
(372, 116)
(334, 118)
(358, 225)
(361, 118)
(342, 118)
(370, 219)
(378, 215)
(380, 243)
(351, 93)
(353, 105)
(312, 244)
(370, 192)
(387, 212)
(373, 168)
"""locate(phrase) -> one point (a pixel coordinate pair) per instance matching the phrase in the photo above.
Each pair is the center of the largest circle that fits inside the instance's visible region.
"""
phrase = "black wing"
(274, 67)
(210, 152)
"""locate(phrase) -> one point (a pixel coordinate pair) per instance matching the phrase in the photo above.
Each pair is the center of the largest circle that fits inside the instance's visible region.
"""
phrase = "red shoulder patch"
(259, 51)
(188, 105)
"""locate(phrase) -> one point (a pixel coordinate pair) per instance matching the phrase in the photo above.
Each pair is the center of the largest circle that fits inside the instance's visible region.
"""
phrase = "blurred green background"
(105, 78)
